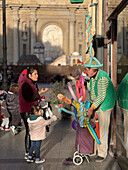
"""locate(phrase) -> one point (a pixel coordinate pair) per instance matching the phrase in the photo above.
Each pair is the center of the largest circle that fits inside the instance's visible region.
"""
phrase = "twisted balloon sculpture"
(90, 37)
(90, 44)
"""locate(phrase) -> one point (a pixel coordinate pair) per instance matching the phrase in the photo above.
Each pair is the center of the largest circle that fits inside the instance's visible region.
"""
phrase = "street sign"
(76, 1)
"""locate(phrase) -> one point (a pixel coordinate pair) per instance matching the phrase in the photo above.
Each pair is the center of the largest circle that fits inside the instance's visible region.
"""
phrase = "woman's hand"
(43, 90)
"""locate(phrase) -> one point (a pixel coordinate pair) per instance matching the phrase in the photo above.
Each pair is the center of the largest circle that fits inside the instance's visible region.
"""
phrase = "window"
(80, 49)
(24, 49)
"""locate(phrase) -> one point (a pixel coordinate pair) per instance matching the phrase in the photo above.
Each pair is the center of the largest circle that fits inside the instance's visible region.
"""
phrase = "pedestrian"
(37, 125)
(103, 97)
(28, 96)
(13, 108)
(9, 75)
(4, 113)
(122, 97)
(1, 77)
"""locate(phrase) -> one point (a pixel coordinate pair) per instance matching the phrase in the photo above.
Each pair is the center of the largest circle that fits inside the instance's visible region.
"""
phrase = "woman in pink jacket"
(37, 125)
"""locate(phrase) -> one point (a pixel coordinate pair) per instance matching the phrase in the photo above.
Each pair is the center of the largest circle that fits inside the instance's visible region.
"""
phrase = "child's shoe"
(1, 128)
(39, 160)
(29, 159)
(7, 129)
(13, 130)
(26, 155)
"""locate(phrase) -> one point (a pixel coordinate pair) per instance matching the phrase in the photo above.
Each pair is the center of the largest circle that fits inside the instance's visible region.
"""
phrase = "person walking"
(103, 97)
(4, 115)
(37, 125)
(122, 97)
(28, 96)
(13, 108)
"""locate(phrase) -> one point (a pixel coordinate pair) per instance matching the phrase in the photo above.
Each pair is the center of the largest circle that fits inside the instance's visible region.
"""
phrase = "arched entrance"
(53, 41)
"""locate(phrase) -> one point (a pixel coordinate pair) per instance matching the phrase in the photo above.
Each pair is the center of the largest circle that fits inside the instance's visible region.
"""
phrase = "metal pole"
(4, 84)
(96, 19)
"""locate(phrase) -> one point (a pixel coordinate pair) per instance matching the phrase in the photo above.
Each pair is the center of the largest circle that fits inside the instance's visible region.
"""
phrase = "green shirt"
(122, 93)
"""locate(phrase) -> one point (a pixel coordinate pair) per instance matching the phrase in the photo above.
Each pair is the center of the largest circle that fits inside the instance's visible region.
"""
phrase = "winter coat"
(4, 112)
(25, 106)
(37, 126)
(12, 103)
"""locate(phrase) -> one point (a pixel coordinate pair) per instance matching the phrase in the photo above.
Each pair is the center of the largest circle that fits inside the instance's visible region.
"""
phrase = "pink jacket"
(37, 127)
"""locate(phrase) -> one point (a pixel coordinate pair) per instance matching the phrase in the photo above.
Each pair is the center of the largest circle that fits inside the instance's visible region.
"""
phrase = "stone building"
(57, 24)
(52, 28)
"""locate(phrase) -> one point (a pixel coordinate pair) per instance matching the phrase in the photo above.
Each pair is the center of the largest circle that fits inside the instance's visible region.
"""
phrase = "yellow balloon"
(91, 133)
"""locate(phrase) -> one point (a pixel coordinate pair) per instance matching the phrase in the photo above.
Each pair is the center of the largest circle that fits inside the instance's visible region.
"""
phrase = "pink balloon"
(71, 91)
(80, 86)
(81, 82)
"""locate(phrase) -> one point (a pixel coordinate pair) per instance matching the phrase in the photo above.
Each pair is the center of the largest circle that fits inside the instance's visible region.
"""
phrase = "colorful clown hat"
(93, 63)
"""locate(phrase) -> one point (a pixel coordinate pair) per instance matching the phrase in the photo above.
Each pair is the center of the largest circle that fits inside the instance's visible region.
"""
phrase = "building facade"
(59, 25)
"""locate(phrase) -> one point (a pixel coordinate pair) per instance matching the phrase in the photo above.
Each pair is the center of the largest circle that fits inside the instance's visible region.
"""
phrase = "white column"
(71, 36)
(15, 36)
(33, 21)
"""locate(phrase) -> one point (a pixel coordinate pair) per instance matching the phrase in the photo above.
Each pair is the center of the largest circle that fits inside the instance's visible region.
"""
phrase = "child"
(13, 107)
(4, 113)
(37, 128)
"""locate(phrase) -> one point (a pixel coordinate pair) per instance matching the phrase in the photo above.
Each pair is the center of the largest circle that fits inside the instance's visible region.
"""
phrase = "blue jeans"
(35, 145)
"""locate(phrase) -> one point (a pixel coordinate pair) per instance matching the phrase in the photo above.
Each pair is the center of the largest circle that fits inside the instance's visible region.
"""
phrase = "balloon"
(78, 86)
(87, 105)
(81, 122)
(74, 124)
(75, 109)
(90, 37)
(62, 98)
(81, 82)
(63, 109)
(82, 118)
(94, 133)
(71, 91)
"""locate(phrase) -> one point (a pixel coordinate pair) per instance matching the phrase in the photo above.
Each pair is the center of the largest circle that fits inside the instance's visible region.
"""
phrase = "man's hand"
(90, 111)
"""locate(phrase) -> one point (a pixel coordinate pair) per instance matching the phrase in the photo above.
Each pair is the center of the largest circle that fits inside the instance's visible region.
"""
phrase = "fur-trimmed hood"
(34, 120)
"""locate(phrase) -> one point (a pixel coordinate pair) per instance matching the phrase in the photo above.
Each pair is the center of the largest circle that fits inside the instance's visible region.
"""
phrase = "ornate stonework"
(53, 41)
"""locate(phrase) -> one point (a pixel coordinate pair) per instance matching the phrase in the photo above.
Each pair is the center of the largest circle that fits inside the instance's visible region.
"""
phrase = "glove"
(54, 118)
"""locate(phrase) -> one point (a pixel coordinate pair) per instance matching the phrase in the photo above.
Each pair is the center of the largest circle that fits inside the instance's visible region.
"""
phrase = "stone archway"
(53, 41)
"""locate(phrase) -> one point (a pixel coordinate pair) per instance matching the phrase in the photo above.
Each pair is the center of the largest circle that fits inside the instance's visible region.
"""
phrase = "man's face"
(90, 72)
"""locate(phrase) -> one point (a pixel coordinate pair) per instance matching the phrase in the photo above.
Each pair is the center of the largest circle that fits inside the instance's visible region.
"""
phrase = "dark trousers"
(35, 145)
(24, 116)
(16, 120)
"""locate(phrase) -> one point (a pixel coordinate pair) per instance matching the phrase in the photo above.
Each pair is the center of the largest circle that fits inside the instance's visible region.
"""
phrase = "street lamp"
(4, 83)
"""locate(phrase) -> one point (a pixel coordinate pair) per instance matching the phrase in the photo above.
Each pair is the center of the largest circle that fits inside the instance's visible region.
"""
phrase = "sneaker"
(13, 130)
(26, 155)
(1, 128)
(29, 159)
(99, 159)
(7, 129)
(68, 161)
(39, 160)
